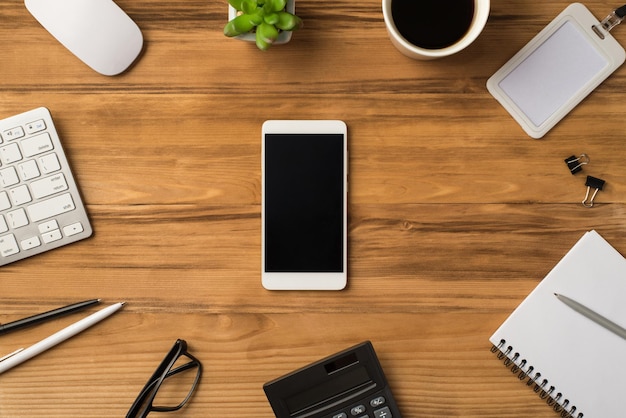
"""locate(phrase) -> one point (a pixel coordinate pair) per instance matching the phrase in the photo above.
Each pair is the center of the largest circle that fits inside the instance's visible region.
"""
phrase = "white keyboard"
(40, 207)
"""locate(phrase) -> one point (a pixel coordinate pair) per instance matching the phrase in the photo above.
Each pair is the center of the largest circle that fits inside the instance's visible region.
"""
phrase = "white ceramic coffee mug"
(478, 22)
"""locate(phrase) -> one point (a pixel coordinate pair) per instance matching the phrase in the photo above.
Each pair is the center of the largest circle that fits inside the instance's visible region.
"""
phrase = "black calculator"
(349, 384)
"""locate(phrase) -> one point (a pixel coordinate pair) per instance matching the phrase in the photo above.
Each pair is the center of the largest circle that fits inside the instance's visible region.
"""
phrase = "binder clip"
(575, 164)
(592, 183)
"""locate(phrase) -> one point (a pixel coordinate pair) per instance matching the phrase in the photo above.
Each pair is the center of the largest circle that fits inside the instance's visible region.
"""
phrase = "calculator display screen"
(333, 389)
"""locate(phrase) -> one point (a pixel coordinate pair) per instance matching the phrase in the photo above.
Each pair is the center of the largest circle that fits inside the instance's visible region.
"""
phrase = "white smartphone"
(304, 205)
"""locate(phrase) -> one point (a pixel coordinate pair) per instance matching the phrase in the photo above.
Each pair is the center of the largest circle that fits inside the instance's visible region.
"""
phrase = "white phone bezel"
(299, 280)
(584, 21)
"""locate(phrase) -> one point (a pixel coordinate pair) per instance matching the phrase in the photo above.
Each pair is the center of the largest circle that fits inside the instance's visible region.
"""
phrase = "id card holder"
(349, 384)
(557, 69)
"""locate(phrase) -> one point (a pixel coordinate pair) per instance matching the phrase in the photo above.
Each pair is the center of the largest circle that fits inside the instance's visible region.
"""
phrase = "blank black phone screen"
(304, 202)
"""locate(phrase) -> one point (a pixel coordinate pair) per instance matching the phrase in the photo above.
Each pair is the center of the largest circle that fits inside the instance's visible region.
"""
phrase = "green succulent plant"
(267, 18)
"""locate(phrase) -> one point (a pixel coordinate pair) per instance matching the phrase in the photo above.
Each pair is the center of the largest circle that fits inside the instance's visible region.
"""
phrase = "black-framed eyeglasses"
(175, 378)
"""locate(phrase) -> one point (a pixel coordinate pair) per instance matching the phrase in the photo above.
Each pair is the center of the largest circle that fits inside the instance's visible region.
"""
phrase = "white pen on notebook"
(594, 316)
(21, 356)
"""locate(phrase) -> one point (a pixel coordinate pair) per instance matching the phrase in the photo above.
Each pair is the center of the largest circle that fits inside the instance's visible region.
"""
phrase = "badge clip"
(613, 19)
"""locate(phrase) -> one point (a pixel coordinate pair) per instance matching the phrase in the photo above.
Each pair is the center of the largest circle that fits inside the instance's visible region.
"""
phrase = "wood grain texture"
(454, 213)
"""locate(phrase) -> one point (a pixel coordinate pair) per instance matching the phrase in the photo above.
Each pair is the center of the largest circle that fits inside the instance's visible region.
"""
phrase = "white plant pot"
(283, 37)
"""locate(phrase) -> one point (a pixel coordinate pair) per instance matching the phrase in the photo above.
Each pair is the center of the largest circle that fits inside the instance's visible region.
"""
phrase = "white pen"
(58, 337)
(594, 316)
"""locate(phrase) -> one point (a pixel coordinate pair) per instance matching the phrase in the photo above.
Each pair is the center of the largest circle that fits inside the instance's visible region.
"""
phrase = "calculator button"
(382, 413)
(357, 410)
(340, 415)
(376, 402)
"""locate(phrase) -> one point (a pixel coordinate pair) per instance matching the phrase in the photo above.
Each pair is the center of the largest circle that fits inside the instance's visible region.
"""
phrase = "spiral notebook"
(573, 363)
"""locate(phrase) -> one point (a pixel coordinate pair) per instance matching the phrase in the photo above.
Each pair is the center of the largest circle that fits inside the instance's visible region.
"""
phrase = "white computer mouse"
(98, 32)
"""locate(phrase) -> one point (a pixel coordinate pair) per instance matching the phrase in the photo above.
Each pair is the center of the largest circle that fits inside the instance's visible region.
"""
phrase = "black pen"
(45, 316)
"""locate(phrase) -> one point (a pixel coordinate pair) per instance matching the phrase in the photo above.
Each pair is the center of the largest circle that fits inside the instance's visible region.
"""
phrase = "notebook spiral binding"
(523, 370)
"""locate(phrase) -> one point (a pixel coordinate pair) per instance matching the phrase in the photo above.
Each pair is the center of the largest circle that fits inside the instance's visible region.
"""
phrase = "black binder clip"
(575, 164)
(592, 183)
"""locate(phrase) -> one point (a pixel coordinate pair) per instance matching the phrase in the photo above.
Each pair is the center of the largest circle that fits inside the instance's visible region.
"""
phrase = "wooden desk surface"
(455, 214)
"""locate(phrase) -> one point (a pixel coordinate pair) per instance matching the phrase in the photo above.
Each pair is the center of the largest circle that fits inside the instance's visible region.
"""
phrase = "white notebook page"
(581, 359)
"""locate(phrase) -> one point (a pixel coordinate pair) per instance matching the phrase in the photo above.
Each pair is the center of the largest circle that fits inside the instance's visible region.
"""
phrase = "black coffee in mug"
(432, 24)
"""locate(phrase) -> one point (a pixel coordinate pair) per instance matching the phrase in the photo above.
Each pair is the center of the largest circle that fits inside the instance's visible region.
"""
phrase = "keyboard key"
(20, 195)
(8, 177)
(48, 226)
(8, 245)
(49, 163)
(48, 186)
(73, 229)
(36, 126)
(51, 207)
(13, 133)
(17, 218)
(3, 225)
(51, 236)
(37, 144)
(28, 170)
(10, 153)
(30, 243)
(4, 201)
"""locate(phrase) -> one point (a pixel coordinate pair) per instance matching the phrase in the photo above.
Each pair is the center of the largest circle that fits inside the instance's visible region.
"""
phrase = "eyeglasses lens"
(178, 384)
(171, 385)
